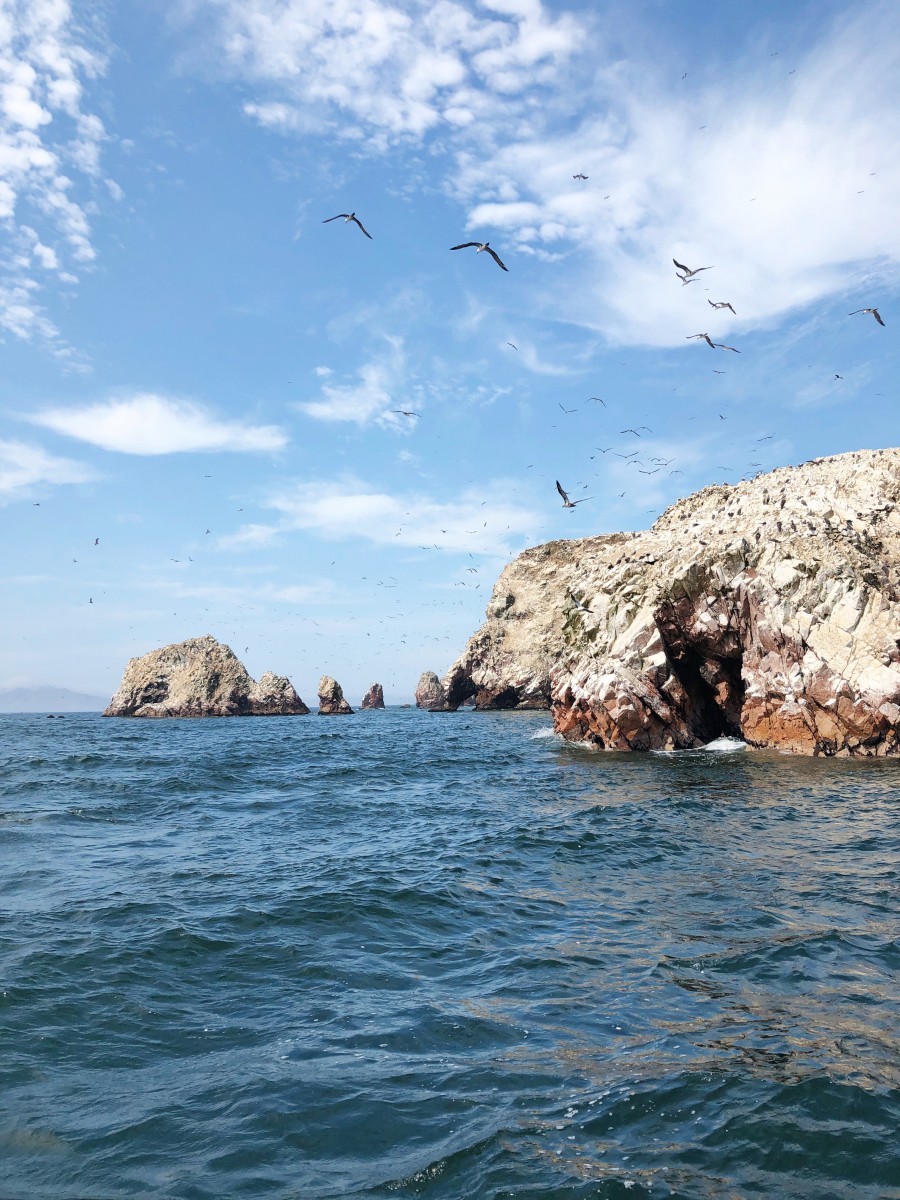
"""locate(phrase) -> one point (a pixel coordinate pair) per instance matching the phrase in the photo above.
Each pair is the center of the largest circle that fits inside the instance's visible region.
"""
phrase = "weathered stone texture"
(331, 698)
(374, 697)
(430, 693)
(200, 678)
(769, 610)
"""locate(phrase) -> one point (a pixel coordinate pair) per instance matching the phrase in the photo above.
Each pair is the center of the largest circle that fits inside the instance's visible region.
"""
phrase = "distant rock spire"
(331, 698)
(374, 697)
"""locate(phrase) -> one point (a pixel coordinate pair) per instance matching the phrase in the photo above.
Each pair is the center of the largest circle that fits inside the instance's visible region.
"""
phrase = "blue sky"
(203, 375)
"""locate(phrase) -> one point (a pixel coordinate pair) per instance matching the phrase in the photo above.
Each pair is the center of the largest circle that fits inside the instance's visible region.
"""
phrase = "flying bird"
(721, 304)
(688, 273)
(405, 412)
(567, 503)
(350, 217)
(706, 338)
(580, 605)
(722, 346)
(599, 400)
(874, 311)
(479, 247)
(579, 176)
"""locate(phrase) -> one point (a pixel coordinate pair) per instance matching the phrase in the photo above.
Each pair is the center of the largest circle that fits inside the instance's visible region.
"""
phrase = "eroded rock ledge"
(769, 610)
(200, 678)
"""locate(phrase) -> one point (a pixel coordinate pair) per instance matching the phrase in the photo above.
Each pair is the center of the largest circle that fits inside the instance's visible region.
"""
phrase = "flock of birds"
(687, 275)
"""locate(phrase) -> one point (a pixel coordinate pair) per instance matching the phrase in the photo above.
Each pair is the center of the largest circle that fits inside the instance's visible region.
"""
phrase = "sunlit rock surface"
(769, 610)
(331, 698)
(200, 678)
(430, 693)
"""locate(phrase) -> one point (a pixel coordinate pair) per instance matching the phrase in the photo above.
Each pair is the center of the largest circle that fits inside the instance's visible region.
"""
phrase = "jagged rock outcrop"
(430, 693)
(768, 610)
(374, 697)
(331, 698)
(200, 678)
(507, 663)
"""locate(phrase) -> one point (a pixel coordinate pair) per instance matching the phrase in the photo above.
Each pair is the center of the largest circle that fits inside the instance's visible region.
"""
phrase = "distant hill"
(48, 699)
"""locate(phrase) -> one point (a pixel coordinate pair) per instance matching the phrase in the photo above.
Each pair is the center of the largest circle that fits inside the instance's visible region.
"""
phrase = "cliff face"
(769, 610)
(200, 678)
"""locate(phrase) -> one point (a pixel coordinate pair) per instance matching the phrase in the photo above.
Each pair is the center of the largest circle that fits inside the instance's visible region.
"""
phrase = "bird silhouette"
(350, 217)
(874, 311)
(479, 247)
(567, 503)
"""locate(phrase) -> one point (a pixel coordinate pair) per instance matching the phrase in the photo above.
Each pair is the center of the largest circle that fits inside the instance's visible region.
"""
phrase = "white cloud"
(44, 134)
(484, 522)
(776, 191)
(24, 466)
(766, 174)
(148, 424)
(378, 391)
(400, 68)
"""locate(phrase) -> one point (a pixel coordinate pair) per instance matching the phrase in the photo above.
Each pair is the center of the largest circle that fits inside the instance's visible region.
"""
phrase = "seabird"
(350, 217)
(567, 503)
(874, 311)
(706, 338)
(688, 273)
(599, 400)
(722, 346)
(579, 176)
(403, 412)
(578, 603)
(720, 304)
(479, 247)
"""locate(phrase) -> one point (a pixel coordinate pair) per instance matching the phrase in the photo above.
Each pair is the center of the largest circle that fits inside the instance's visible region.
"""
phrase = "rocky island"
(374, 697)
(200, 678)
(331, 699)
(767, 610)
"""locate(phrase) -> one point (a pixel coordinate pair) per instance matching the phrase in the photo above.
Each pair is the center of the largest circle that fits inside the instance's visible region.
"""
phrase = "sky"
(222, 412)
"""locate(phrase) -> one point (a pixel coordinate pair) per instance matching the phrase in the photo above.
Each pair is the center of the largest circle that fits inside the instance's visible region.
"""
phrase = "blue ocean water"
(405, 954)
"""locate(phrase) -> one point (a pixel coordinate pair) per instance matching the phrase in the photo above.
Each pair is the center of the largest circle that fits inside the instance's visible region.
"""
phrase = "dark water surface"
(402, 954)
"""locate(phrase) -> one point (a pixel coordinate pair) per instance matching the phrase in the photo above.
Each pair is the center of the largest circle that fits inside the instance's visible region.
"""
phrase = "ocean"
(405, 954)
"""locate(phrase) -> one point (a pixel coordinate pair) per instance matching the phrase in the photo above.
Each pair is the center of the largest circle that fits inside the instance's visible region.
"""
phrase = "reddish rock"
(768, 611)
(374, 697)
(430, 693)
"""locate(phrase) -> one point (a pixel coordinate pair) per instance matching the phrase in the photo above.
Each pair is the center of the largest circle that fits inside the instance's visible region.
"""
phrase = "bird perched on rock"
(479, 247)
(874, 311)
(350, 217)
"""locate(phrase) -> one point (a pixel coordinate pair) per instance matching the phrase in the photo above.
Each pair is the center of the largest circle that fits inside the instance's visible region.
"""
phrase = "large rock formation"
(200, 678)
(331, 698)
(430, 693)
(768, 610)
(374, 697)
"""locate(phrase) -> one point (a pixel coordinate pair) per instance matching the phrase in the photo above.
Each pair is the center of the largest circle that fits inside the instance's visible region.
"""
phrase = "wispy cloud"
(787, 182)
(148, 424)
(377, 392)
(392, 69)
(46, 138)
(484, 522)
(23, 467)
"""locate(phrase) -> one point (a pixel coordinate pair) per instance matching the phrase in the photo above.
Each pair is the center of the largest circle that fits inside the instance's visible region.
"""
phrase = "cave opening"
(710, 678)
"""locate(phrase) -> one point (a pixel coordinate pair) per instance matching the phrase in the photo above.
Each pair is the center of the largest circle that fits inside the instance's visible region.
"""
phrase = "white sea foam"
(725, 745)
(720, 745)
(549, 732)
